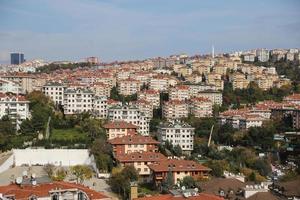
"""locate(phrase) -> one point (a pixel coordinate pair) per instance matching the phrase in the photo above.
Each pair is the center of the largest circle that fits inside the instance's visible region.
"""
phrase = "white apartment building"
(175, 109)
(177, 133)
(263, 55)
(215, 97)
(123, 74)
(55, 91)
(100, 107)
(151, 96)
(10, 86)
(162, 83)
(159, 83)
(130, 114)
(179, 92)
(249, 57)
(144, 107)
(129, 86)
(251, 121)
(201, 107)
(78, 101)
(26, 81)
(16, 107)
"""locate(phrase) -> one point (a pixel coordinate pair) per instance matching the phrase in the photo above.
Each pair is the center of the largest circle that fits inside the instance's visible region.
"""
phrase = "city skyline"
(127, 30)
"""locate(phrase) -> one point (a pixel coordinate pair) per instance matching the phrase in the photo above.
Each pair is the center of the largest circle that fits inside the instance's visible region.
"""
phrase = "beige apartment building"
(119, 128)
(129, 86)
(201, 107)
(175, 109)
(101, 89)
(179, 92)
(151, 96)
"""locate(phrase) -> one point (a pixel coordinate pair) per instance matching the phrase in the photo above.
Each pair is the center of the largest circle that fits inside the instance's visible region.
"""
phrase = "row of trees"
(53, 67)
(80, 172)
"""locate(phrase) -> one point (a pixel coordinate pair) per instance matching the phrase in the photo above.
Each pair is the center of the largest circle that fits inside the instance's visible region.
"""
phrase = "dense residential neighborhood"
(176, 125)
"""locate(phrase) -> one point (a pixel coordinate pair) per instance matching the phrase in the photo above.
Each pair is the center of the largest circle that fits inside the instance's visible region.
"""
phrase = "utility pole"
(209, 139)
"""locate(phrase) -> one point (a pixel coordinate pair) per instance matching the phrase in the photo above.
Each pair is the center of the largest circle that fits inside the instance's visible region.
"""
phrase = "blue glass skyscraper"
(16, 58)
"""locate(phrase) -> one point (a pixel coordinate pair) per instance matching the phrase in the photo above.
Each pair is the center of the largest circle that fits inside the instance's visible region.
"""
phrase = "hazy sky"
(132, 29)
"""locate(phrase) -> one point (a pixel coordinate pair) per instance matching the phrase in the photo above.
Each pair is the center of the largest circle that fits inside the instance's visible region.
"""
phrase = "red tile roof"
(42, 190)
(292, 97)
(141, 157)
(178, 165)
(133, 139)
(200, 196)
(119, 124)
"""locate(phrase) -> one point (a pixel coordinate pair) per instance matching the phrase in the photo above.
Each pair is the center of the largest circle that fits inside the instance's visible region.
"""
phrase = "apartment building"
(250, 120)
(24, 80)
(15, 106)
(118, 128)
(101, 89)
(264, 82)
(106, 78)
(179, 170)
(175, 109)
(293, 99)
(162, 83)
(179, 92)
(42, 188)
(201, 107)
(55, 91)
(202, 69)
(140, 161)
(194, 78)
(249, 57)
(10, 87)
(215, 79)
(130, 114)
(144, 107)
(123, 74)
(239, 81)
(216, 97)
(142, 76)
(220, 69)
(129, 86)
(133, 143)
(100, 107)
(194, 89)
(177, 133)
(185, 71)
(78, 101)
(263, 55)
(151, 96)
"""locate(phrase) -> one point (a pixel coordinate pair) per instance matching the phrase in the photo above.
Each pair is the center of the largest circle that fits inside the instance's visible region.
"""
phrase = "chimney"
(133, 191)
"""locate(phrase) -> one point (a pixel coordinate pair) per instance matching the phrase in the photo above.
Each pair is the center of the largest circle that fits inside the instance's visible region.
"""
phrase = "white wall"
(58, 157)
(7, 164)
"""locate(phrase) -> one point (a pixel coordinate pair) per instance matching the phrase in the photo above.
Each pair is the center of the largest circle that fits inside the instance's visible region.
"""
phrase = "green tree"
(120, 181)
(168, 182)
(7, 127)
(188, 182)
(81, 172)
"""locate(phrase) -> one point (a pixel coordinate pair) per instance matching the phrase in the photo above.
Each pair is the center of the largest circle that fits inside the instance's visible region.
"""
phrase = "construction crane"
(209, 139)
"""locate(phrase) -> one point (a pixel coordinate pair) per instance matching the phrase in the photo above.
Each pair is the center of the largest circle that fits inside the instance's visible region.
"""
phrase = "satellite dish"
(33, 175)
(183, 188)
(19, 180)
(25, 173)
(33, 182)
